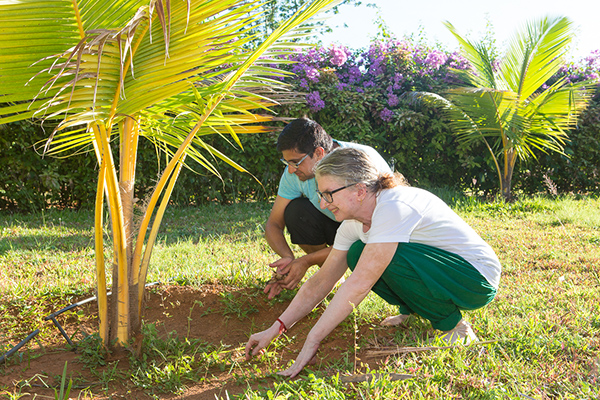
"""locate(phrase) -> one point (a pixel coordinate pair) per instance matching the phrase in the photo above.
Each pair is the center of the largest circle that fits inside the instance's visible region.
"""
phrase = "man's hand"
(295, 271)
(281, 266)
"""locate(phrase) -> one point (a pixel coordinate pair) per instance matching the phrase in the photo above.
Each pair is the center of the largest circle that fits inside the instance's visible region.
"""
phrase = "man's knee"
(295, 211)
(307, 225)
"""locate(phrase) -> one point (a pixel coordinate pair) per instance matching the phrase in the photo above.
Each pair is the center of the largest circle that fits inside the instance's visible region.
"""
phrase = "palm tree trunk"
(128, 155)
(510, 159)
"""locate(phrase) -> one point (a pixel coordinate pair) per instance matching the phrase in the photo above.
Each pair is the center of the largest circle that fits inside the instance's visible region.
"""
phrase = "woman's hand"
(308, 355)
(260, 340)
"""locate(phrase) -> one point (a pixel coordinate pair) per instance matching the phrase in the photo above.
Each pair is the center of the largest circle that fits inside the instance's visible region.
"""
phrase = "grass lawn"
(542, 331)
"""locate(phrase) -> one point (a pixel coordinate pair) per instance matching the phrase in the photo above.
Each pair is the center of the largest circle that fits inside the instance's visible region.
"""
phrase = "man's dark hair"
(304, 135)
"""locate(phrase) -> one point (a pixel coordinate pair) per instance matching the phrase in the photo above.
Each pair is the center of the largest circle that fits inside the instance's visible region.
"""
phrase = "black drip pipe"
(17, 347)
(52, 317)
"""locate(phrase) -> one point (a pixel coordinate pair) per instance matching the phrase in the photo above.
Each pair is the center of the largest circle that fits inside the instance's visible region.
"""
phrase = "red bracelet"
(282, 327)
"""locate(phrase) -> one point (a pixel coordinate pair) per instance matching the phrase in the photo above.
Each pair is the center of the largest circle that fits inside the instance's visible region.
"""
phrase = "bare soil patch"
(195, 313)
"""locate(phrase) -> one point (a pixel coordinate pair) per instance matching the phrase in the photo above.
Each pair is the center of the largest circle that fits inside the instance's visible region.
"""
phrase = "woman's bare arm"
(308, 297)
(371, 265)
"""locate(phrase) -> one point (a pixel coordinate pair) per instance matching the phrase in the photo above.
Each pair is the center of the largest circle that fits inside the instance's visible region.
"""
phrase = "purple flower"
(496, 65)
(435, 59)
(392, 100)
(368, 84)
(341, 86)
(376, 68)
(386, 115)
(458, 61)
(314, 102)
(312, 74)
(338, 56)
(304, 83)
(354, 75)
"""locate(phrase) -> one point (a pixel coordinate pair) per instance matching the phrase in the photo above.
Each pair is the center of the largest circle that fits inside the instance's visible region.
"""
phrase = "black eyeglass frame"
(294, 164)
(328, 195)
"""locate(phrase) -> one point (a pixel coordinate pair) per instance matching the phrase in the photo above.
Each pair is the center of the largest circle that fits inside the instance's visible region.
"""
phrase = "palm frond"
(28, 49)
(480, 57)
(535, 54)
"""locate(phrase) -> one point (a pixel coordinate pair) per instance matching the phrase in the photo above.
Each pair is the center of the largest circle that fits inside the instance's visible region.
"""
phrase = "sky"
(469, 17)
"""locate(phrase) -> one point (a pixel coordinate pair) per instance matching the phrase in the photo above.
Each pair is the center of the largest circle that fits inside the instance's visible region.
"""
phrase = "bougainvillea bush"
(358, 96)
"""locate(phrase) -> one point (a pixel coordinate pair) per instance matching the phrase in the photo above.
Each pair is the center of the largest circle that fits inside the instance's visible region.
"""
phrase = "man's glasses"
(292, 163)
(328, 196)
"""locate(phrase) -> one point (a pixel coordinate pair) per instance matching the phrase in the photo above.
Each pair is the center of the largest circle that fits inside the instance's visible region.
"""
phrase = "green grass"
(544, 323)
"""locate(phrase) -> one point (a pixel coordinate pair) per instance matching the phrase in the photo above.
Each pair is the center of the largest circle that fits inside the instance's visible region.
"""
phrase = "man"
(303, 143)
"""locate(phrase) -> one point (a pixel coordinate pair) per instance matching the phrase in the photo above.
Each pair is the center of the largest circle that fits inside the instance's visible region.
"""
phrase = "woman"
(403, 243)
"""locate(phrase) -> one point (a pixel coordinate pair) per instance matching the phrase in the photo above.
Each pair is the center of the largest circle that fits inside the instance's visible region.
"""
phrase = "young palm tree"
(507, 104)
(169, 71)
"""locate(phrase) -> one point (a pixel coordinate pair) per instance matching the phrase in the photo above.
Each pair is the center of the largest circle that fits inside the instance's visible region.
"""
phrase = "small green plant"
(167, 364)
(92, 352)
(63, 392)
(236, 306)
(109, 374)
(189, 318)
(16, 394)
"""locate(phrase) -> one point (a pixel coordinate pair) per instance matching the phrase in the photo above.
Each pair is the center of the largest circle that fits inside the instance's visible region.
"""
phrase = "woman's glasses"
(328, 195)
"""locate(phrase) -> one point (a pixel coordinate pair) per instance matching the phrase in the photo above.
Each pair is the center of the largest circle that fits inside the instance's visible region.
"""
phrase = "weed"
(236, 306)
(189, 318)
(166, 364)
(63, 392)
(92, 351)
(16, 394)
(109, 374)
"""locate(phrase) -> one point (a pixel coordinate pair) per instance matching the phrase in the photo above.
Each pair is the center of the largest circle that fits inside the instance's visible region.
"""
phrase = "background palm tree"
(169, 71)
(507, 104)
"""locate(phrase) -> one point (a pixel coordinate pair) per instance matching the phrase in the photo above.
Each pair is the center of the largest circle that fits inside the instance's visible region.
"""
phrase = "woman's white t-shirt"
(407, 214)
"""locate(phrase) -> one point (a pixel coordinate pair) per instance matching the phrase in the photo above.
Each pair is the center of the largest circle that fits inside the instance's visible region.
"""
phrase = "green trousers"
(430, 282)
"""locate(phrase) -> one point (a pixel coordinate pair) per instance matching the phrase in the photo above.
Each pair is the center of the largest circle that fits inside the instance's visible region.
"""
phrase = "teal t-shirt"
(290, 187)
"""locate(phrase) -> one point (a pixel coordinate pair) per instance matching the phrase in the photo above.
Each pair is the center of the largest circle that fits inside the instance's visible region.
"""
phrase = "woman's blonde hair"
(355, 166)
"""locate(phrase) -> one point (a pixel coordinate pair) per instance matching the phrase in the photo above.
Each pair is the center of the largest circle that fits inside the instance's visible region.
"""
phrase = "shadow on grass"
(70, 230)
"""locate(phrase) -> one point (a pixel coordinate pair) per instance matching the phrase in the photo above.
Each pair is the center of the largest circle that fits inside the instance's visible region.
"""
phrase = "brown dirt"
(170, 308)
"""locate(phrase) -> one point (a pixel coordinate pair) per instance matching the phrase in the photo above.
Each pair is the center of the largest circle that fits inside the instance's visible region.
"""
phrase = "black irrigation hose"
(52, 317)
(17, 347)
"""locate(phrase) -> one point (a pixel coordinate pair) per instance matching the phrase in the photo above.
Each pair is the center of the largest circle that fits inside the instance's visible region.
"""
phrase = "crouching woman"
(403, 243)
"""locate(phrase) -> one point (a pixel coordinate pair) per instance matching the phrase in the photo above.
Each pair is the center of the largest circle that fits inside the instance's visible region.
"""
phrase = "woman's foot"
(395, 320)
(462, 333)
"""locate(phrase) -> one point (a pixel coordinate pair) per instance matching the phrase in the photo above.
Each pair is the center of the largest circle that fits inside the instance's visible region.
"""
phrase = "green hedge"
(356, 96)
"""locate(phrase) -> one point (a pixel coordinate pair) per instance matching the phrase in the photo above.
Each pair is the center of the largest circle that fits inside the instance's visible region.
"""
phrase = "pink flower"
(338, 56)
(312, 74)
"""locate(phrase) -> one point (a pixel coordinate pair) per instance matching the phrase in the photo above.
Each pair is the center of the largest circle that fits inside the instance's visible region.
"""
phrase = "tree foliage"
(112, 72)
(275, 11)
